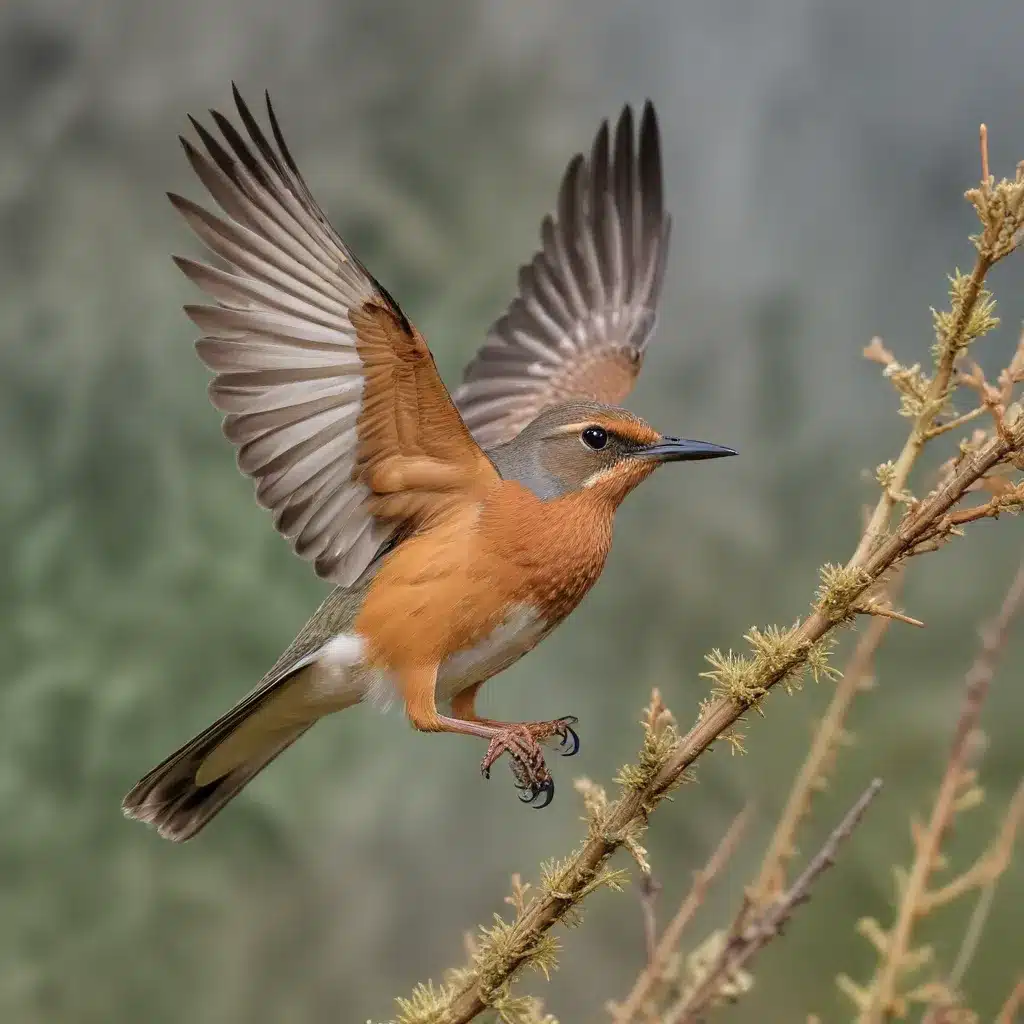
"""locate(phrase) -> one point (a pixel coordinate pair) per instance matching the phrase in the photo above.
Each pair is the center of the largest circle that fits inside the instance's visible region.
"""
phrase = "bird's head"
(586, 446)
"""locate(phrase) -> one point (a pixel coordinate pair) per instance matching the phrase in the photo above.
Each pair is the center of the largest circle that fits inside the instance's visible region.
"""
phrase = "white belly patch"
(521, 630)
(506, 643)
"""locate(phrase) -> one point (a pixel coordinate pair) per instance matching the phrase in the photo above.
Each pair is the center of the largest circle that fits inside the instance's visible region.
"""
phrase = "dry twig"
(768, 924)
(649, 889)
(1013, 1005)
(669, 942)
(882, 999)
(771, 878)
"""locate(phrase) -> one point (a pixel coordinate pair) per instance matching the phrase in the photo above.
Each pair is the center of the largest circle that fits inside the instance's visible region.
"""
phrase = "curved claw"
(531, 794)
(570, 743)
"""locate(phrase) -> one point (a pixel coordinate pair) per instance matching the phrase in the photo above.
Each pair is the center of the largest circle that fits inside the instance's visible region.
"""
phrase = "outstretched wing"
(329, 393)
(586, 303)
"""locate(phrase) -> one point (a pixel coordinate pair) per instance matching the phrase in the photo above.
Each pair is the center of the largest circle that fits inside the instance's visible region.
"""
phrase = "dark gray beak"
(675, 449)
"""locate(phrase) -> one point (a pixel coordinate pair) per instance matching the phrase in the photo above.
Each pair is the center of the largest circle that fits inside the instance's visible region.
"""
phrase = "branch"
(989, 866)
(768, 924)
(933, 403)
(883, 995)
(1014, 1002)
(669, 942)
(976, 925)
(724, 712)
(630, 812)
(743, 683)
(772, 876)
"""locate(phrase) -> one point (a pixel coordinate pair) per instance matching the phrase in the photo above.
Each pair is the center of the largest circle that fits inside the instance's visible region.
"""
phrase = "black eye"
(595, 437)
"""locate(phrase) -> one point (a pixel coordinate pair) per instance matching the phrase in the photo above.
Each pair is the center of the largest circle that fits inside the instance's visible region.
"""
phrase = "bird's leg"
(521, 741)
(531, 773)
(464, 708)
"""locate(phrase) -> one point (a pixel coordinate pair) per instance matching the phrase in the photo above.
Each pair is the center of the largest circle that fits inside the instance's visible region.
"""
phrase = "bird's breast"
(555, 550)
(478, 589)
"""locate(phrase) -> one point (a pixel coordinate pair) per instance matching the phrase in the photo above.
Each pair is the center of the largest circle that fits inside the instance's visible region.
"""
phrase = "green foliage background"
(816, 155)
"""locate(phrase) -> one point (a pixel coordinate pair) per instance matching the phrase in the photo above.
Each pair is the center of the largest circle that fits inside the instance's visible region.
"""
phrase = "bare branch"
(768, 924)
(649, 889)
(883, 994)
(983, 142)
(1014, 1003)
(772, 876)
(669, 942)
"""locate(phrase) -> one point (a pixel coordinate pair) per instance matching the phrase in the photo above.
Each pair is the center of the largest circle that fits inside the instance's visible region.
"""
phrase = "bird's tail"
(182, 794)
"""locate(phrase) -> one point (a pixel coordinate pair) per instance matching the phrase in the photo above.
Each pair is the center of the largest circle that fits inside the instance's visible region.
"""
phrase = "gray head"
(587, 445)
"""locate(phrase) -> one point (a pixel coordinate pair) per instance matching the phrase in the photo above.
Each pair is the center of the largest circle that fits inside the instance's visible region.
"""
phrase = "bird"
(459, 529)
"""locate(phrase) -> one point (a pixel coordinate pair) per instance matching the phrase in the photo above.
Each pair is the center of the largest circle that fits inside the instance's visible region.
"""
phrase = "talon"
(570, 743)
(538, 791)
(526, 760)
(558, 734)
(546, 790)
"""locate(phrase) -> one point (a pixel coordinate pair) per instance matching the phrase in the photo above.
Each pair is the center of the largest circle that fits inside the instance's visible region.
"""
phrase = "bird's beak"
(676, 449)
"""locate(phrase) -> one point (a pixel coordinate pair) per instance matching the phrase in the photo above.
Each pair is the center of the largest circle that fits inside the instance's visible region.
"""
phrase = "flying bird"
(460, 529)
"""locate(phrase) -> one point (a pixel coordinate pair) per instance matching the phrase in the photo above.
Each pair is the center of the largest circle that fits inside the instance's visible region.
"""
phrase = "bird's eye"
(595, 438)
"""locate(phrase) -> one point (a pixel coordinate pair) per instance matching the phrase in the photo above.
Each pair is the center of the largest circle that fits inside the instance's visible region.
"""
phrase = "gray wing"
(290, 378)
(587, 300)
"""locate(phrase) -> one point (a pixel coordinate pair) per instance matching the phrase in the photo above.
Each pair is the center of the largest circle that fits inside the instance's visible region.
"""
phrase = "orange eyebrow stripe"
(629, 429)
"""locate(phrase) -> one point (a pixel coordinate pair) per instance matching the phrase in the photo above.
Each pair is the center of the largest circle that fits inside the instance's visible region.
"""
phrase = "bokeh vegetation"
(816, 189)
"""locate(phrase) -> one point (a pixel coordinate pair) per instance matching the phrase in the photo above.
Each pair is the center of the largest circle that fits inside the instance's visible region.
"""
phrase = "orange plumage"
(459, 533)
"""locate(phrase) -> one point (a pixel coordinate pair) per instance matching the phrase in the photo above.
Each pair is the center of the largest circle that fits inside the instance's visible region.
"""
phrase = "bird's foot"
(560, 729)
(521, 742)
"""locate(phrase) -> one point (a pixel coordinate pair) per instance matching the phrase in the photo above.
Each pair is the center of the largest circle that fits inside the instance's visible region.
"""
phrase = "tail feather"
(182, 794)
(170, 799)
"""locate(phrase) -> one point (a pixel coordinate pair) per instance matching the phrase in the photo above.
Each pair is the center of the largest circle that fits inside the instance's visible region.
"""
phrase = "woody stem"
(952, 346)
(469, 999)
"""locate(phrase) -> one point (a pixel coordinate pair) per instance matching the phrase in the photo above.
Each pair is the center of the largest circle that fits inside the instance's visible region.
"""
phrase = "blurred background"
(816, 156)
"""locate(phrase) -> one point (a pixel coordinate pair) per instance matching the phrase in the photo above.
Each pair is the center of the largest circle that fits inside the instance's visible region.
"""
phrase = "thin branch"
(631, 811)
(979, 916)
(984, 875)
(649, 889)
(1014, 1002)
(972, 936)
(931, 406)
(956, 424)
(772, 877)
(983, 144)
(768, 924)
(887, 612)
(883, 990)
(990, 865)
(669, 942)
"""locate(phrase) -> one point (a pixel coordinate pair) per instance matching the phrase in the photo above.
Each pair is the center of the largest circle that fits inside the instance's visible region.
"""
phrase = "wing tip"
(633, 180)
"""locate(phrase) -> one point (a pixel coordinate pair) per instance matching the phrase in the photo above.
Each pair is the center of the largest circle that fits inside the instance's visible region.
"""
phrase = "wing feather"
(328, 392)
(587, 301)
